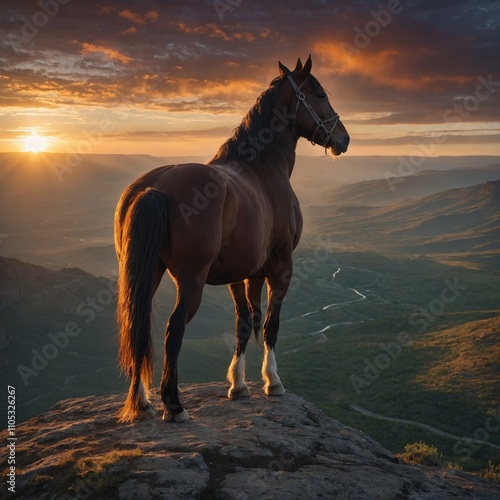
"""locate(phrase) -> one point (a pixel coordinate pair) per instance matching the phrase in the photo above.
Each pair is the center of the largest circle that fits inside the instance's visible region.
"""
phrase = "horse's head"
(315, 119)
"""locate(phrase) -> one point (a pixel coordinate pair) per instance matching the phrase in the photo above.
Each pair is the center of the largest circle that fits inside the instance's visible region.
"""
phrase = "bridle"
(320, 124)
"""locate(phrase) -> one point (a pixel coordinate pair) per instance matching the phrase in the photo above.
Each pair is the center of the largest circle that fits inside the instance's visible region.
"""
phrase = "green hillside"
(368, 336)
(465, 359)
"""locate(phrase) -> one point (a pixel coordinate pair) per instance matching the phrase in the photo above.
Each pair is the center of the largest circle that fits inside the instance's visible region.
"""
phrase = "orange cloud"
(245, 36)
(135, 17)
(215, 31)
(392, 67)
(130, 30)
(379, 67)
(223, 89)
(90, 48)
(218, 33)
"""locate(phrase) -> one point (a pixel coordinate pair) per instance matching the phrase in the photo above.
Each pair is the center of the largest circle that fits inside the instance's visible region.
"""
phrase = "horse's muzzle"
(337, 147)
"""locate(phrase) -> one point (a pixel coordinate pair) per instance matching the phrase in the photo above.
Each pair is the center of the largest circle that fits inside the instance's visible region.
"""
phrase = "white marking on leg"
(143, 396)
(272, 382)
(147, 408)
(176, 417)
(236, 370)
(236, 376)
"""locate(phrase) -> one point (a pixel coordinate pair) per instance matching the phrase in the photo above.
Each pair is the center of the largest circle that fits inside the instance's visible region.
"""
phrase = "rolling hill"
(465, 358)
(462, 221)
(394, 189)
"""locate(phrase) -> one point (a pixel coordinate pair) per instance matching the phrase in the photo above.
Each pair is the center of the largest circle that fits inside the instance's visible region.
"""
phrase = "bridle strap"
(320, 124)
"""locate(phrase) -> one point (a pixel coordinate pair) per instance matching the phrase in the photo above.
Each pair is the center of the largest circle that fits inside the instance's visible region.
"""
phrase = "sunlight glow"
(35, 143)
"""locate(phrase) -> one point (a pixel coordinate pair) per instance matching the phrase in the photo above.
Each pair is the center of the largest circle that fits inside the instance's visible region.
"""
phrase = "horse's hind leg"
(189, 292)
(147, 411)
(254, 298)
(236, 371)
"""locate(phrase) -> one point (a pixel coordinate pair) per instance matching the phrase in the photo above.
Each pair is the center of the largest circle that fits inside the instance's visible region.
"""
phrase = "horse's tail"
(143, 231)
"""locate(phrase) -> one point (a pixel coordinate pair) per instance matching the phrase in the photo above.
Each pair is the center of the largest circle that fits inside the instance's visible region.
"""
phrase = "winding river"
(359, 297)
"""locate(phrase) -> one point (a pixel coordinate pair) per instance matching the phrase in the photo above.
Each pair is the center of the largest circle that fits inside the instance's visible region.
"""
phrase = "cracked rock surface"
(258, 447)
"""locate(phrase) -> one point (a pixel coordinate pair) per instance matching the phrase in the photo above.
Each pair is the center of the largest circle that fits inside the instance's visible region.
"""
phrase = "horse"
(232, 221)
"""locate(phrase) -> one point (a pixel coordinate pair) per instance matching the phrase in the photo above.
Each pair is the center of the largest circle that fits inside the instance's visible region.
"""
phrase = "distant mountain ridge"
(458, 220)
(425, 183)
(58, 208)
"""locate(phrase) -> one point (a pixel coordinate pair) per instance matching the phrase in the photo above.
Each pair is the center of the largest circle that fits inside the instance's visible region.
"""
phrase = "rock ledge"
(260, 447)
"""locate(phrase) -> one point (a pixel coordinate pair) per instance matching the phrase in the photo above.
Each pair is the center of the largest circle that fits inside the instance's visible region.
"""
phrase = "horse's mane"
(256, 119)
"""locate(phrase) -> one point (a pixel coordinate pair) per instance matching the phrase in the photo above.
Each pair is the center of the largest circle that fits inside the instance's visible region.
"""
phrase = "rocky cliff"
(269, 448)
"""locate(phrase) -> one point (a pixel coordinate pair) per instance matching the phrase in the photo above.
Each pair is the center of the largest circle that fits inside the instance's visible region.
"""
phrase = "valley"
(393, 307)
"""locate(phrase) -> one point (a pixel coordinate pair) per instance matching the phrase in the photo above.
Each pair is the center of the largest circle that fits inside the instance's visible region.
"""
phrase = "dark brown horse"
(233, 221)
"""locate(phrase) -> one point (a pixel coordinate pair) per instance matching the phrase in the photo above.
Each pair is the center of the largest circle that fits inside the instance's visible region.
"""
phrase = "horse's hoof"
(242, 392)
(183, 416)
(274, 390)
(146, 413)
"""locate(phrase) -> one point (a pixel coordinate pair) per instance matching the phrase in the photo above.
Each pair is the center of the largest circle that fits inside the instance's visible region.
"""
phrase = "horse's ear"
(283, 69)
(298, 67)
(307, 66)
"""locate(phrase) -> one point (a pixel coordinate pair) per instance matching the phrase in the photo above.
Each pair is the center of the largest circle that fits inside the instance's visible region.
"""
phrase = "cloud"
(90, 48)
(180, 57)
(130, 30)
(389, 66)
(137, 18)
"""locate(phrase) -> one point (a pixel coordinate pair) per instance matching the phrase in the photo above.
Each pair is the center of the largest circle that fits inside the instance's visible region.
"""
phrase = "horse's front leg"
(236, 370)
(278, 283)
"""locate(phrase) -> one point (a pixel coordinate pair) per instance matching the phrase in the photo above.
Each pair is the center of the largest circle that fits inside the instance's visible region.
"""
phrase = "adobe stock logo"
(390, 352)
(381, 18)
(88, 309)
(223, 6)
(39, 20)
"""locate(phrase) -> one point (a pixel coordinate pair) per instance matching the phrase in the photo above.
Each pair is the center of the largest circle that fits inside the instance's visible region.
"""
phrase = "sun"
(35, 143)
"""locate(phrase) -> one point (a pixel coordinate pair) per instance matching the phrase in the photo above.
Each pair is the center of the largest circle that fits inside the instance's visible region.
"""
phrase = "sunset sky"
(175, 77)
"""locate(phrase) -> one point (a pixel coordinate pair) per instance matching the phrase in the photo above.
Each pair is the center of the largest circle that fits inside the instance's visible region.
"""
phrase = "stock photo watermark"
(256, 144)
(285, 459)
(381, 18)
(59, 341)
(39, 20)
(222, 7)
(375, 366)
(90, 140)
(307, 267)
(93, 137)
(201, 198)
(303, 269)
(455, 114)
(465, 447)
(11, 438)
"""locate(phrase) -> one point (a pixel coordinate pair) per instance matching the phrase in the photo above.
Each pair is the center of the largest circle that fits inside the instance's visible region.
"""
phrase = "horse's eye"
(321, 95)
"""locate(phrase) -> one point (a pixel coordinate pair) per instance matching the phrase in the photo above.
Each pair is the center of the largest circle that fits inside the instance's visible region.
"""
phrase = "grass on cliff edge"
(423, 454)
